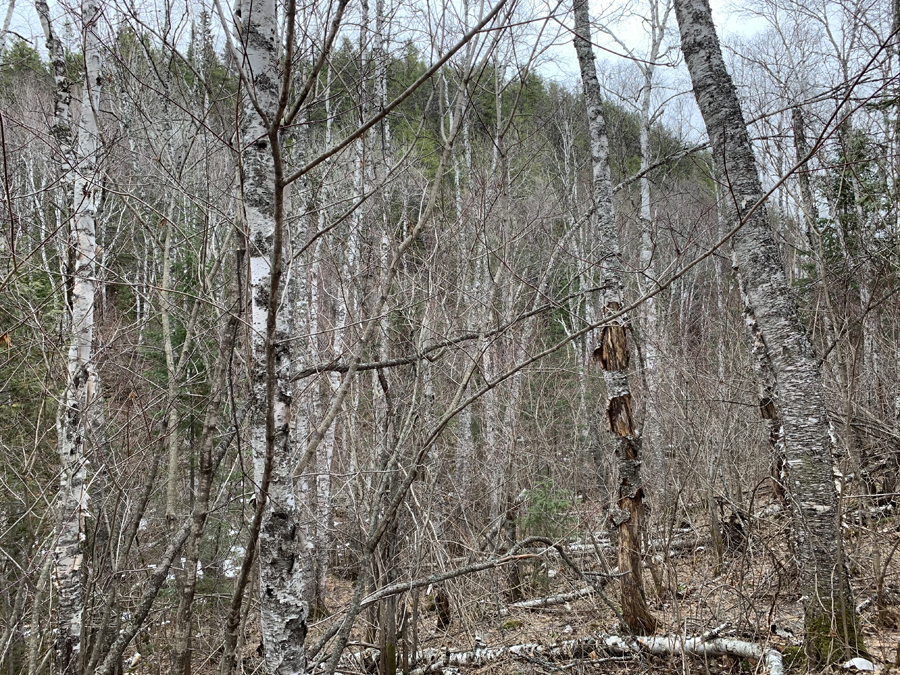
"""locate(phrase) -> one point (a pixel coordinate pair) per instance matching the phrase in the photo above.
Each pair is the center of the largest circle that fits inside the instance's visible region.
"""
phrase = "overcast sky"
(557, 62)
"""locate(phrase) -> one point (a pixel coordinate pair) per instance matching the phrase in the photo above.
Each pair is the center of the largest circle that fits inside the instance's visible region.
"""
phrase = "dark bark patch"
(767, 409)
(612, 352)
(442, 607)
(618, 415)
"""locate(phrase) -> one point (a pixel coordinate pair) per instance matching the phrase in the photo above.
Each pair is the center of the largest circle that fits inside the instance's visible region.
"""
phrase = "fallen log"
(448, 661)
(680, 543)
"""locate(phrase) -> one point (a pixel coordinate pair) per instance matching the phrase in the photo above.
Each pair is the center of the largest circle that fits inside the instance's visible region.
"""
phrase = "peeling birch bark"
(612, 352)
(831, 629)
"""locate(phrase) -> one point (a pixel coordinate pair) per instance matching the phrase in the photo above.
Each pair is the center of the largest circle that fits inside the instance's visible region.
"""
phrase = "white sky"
(557, 63)
(25, 24)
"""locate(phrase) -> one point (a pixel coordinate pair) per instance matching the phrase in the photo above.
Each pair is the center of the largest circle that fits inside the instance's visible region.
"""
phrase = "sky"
(25, 25)
(558, 61)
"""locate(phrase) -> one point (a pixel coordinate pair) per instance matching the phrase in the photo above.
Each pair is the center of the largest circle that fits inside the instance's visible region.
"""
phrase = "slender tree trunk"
(612, 351)
(652, 432)
(830, 621)
(68, 572)
(7, 20)
(172, 435)
(308, 323)
(206, 473)
(283, 611)
(312, 322)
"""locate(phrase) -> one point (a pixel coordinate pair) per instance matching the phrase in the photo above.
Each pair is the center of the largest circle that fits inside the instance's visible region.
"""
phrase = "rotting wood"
(618, 413)
(612, 350)
(612, 353)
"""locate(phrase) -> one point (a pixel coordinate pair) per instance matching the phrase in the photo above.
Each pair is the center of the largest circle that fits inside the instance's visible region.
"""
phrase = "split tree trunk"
(831, 630)
(612, 351)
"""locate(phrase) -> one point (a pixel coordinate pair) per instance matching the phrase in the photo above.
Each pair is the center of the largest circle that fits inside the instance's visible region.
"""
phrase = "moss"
(794, 659)
(825, 638)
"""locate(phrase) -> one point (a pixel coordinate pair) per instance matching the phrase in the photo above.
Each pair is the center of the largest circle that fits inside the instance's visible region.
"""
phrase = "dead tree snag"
(612, 351)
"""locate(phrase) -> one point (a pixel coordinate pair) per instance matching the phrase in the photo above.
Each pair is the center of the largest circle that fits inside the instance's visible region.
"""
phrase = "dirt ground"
(752, 589)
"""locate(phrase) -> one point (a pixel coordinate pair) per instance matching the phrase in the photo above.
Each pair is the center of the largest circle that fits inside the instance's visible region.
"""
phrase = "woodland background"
(471, 371)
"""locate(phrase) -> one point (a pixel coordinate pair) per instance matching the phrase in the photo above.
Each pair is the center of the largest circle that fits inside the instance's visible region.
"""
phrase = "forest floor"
(752, 589)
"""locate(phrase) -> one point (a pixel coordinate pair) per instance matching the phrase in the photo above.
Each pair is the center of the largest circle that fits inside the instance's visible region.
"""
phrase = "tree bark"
(652, 431)
(81, 384)
(831, 630)
(587, 650)
(283, 612)
(612, 351)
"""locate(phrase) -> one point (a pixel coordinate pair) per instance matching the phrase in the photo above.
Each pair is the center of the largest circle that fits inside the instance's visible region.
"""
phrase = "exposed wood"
(619, 419)
(612, 351)
(613, 354)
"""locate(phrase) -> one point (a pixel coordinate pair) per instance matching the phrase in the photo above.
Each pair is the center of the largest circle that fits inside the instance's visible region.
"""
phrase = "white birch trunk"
(283, 611)
(309, 314)
(81, 385)
(831, 630)
(587, 651)
(652, 430)
(7, 20)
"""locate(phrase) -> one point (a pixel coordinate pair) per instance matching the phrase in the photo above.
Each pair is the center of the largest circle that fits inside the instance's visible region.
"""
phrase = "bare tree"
(831, 629)
(81, 176)
(612, 352)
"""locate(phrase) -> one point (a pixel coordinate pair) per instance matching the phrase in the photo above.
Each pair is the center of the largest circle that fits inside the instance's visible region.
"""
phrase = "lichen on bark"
(799, 392)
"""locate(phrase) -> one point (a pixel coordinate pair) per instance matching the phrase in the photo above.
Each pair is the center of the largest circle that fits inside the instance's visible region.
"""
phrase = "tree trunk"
(612, 350)
(283, 612)
(181, 664)
(652, 431)
(81, 385)
(831, 630)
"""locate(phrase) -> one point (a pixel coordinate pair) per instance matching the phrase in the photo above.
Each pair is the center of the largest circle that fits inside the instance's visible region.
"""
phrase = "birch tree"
(80, 175)
(830, 622)
(612, 352)
(283, 611)
(656, 25)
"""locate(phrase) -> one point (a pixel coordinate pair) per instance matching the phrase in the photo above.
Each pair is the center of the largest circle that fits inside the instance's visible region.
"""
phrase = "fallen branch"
(590, 648)
(688, 541)
(513, 555)
(550, 601)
